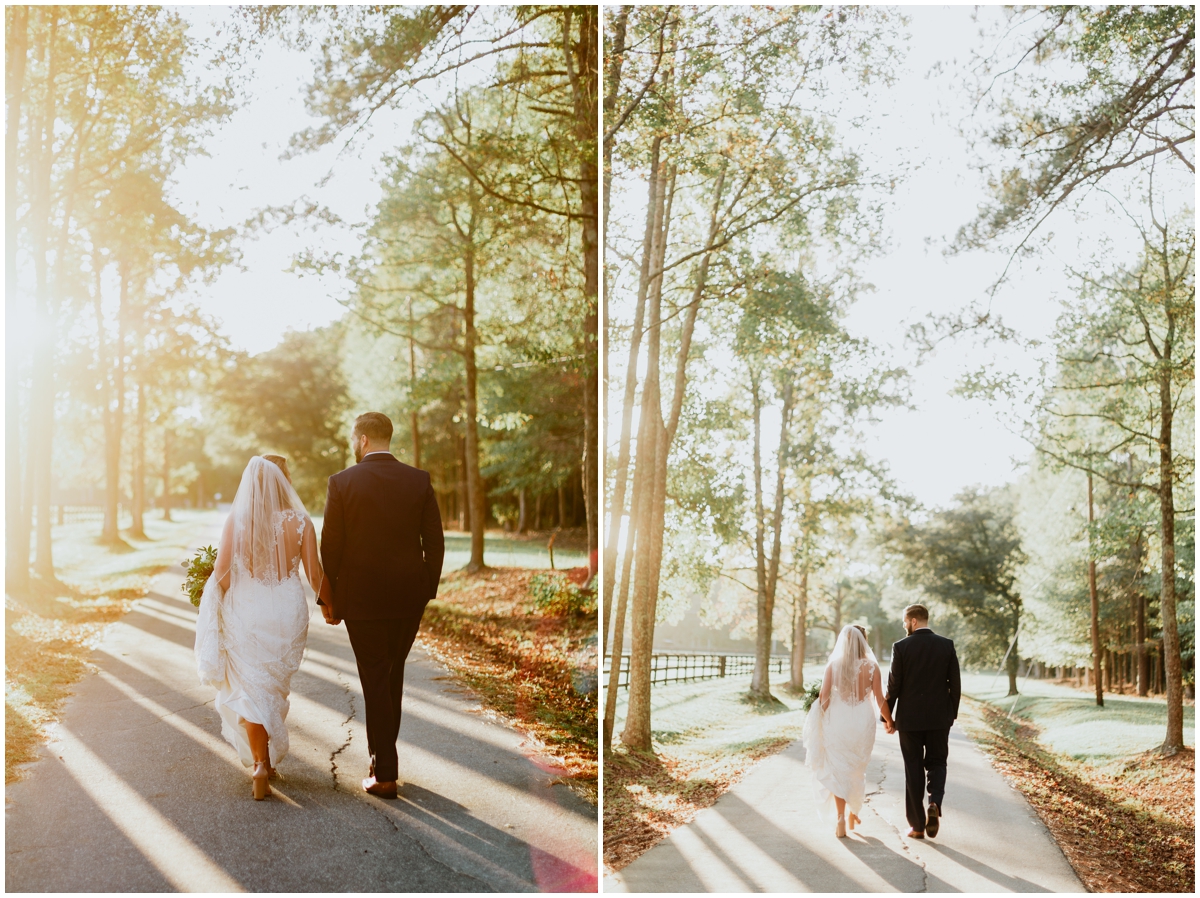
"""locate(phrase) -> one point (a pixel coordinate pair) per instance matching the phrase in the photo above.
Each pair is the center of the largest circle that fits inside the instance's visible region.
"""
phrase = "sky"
(243, 173)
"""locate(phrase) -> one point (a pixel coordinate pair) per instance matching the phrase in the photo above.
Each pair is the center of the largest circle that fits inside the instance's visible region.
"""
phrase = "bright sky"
(946, 443)
(244, 173)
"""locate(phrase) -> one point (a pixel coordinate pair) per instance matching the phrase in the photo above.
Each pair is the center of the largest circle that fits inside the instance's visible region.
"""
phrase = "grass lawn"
(707, 735)
(1070, 723)
(50, 630)
(502, 550)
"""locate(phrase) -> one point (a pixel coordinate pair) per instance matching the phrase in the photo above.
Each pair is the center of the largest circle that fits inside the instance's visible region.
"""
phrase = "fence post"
(721, 666)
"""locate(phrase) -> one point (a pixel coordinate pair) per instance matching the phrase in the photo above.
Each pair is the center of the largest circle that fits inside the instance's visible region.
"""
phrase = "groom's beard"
(358, 453)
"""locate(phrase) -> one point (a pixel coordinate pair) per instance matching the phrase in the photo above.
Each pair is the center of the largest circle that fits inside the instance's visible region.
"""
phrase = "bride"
(839, 731)
(253, 623)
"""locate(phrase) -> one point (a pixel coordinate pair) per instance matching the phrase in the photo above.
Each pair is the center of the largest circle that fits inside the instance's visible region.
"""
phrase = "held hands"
(326, 605)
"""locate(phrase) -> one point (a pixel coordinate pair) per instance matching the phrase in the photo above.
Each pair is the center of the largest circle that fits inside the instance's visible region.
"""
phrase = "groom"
(382, 549)
(924, 680)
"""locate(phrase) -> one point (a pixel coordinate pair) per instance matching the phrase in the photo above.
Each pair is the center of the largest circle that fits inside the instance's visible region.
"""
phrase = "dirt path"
(138, 792)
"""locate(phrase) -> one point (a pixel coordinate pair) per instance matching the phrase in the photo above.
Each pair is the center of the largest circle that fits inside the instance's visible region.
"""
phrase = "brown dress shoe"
(916, 834)
(933, 822)
(379, 789)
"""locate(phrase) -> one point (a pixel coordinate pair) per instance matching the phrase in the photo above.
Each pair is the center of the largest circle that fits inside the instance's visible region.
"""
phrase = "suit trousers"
(925, 753)
(380, 649)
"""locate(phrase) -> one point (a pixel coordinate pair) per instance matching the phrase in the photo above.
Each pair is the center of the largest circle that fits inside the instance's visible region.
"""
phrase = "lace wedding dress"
(254, 613)
(839, 732)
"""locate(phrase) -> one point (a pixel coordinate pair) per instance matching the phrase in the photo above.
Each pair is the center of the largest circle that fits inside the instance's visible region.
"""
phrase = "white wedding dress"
(251, 636)
(839, 731)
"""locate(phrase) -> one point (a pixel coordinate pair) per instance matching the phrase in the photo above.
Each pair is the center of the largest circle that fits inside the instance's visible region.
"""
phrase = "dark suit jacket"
(924, 679)
(381, 543)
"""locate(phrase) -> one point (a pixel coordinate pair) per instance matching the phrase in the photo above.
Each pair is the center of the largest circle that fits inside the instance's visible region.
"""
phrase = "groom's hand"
(329, 618)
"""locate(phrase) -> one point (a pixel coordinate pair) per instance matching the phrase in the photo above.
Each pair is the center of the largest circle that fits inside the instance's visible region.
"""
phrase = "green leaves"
(198, 569)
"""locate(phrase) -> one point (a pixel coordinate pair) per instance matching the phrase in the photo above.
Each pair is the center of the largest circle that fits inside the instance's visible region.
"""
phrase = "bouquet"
(199, 568)
(811, 694)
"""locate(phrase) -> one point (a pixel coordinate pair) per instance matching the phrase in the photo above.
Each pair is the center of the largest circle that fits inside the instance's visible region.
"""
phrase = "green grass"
(706, 718)
(1071, 724)
(500, 551)
(81, 560)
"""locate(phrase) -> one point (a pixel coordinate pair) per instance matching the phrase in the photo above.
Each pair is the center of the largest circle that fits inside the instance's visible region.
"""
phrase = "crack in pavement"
(425, 850)
(903, 839)
(333, 767)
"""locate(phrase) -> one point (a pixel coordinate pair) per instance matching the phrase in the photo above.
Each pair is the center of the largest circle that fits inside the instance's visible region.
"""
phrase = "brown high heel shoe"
(853, 821)
(262, 781)
(841, 828)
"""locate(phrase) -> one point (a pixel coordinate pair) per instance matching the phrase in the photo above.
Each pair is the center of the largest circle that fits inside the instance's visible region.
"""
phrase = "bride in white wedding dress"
(839, 732)
(254, 613)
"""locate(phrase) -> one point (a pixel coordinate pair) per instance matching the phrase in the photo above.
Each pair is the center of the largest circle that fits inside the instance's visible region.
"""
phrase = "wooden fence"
(684, 666)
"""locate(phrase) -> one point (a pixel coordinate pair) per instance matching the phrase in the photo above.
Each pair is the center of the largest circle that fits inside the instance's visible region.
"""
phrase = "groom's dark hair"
(375, 426)
(917, 612)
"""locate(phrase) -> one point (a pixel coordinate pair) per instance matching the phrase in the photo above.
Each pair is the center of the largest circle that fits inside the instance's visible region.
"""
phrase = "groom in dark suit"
(382, 548)
(924, 680)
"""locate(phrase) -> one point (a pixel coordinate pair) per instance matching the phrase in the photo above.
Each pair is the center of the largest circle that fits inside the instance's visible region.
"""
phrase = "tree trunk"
(475, 495)
(637, 719)
(618, 633)
(1143, 659)
(760, 682)
(16, 544)
(460, 486)
(521, 521)
(650, 244)
(1172, 662)
(166, 474)
(649, 563)
(582, 63)
(136, 529)
(114, 422)
(414, 421)
(800, 633)
(1095, 601)
(41, 414)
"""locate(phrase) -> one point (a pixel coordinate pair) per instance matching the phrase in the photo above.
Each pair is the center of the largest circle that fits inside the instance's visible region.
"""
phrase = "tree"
(1112, 89)
(968, 557)
(1124, 388)
(546, 62)
(292, 399)
(16, 545)
(105, 91)
(734, 157)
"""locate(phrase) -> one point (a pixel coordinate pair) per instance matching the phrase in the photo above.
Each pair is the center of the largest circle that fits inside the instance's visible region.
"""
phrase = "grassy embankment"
(50, 631)
(1123, 815)
(707, 735)
(532, 663)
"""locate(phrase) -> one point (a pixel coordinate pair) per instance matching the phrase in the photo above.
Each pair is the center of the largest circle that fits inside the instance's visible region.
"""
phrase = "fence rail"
(681, 667)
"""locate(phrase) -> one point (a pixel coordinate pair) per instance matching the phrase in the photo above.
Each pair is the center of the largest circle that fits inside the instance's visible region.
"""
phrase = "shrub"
(554, 594)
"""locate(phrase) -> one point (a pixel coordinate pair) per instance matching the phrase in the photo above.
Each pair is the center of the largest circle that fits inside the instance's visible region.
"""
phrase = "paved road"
(138, 792)
(764, 835)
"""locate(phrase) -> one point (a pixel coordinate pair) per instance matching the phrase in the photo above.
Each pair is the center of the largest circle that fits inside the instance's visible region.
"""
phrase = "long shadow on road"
(138, 791)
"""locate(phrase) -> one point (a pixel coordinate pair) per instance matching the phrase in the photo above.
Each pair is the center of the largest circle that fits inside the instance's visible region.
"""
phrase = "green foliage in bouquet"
(811, 694)
(554, 594)
(199, 568)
